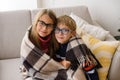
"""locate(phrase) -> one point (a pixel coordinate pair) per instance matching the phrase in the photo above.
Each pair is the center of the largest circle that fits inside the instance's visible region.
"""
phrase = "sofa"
(13, 25)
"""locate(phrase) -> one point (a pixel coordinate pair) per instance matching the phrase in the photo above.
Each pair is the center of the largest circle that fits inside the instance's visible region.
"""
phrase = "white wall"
(6, 5)
(106, 12)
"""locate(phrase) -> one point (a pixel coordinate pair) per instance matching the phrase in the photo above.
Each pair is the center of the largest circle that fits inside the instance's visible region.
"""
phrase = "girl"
(38, 47)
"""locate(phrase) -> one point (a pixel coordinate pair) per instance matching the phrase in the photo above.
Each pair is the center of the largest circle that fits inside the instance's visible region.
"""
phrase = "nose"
(60, 32)
(44, 27)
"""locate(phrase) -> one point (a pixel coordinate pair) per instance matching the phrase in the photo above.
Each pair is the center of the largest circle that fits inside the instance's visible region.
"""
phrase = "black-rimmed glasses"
(43, 24)
(63, 31)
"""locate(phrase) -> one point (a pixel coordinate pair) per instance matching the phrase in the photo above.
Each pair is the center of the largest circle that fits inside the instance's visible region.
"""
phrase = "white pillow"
(96, 31)
(79, 21)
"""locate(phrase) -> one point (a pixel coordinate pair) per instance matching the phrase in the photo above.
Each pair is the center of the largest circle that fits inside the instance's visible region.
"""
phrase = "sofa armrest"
(115, 66)
(13, 25)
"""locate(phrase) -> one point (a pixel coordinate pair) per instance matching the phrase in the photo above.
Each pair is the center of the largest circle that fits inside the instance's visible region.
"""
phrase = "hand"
(65, 63)
(23, 71)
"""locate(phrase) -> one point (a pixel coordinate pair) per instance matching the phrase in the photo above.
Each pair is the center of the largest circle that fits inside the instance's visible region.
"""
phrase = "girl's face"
(44, 26)
(63, 33)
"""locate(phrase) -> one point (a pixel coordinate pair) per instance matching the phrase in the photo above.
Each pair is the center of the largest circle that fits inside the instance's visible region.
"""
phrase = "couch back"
(81, 11)
(13, 25)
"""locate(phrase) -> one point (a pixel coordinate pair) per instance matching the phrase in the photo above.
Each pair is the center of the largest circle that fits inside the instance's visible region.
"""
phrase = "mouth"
(44, 32)
(60, 37)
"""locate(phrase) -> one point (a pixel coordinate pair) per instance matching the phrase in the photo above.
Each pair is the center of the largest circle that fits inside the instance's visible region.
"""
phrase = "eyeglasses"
(43, 24)
(63, 31)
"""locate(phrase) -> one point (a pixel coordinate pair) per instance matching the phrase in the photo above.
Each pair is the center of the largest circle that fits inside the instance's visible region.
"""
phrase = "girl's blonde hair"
(34, 37)
(68, 21)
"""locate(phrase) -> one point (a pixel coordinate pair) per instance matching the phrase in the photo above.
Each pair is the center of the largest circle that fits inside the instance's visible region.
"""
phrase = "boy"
(72, 51)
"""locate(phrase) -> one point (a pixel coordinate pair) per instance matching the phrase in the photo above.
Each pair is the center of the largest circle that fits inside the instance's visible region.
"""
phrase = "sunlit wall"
(6, 5)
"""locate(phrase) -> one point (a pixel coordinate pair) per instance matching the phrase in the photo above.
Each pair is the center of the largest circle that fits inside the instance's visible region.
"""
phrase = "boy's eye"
(65, 30)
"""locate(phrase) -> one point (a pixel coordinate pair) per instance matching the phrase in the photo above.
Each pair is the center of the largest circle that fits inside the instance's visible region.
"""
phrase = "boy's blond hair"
(68, 21)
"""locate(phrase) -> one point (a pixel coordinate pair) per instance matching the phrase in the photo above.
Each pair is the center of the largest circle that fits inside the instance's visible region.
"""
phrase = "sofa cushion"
(9, 69)
(79, 21)
(115, 66)
(81, 11)
(96, 31)
(13, 25)
(103, 51)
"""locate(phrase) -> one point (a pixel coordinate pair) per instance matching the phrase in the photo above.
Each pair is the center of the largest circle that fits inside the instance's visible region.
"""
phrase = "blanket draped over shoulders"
(36, 64)
(77, 48)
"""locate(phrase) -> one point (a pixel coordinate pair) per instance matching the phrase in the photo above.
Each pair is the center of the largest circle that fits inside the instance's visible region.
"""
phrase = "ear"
(73, 33)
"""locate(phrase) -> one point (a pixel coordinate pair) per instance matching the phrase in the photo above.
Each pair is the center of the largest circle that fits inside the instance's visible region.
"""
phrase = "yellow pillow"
(103, 51)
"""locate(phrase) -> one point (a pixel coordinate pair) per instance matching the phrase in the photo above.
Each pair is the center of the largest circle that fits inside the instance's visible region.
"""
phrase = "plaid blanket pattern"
(36, 64)
(81, 52)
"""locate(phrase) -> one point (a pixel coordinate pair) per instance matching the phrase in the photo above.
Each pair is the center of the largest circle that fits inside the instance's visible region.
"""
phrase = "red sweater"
(45, 42)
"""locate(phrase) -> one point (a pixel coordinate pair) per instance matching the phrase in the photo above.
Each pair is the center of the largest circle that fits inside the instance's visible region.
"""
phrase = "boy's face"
(63, 33)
